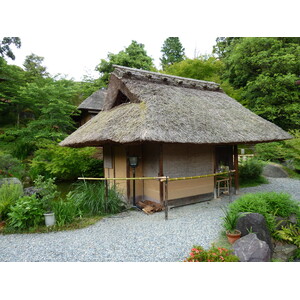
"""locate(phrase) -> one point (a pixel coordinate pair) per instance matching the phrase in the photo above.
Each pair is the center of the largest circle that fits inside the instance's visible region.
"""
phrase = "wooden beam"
(236, 167)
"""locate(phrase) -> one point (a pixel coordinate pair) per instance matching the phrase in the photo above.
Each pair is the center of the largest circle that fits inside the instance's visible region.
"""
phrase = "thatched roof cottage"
(175, 126)
(91, 106)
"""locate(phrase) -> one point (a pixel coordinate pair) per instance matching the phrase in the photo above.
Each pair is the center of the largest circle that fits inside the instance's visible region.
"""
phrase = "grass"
(254, 182)
(78, 223)
(222, 241)
(292, 173)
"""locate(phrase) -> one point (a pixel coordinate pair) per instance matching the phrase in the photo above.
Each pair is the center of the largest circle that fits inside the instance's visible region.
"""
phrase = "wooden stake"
(166, 199)
(236, 167)
(106, 193)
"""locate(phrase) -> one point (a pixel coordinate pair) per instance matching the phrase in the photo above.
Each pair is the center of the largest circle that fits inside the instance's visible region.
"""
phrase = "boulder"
(284, 252)
(274, 170)
(251, 249)
(31, 191)
(255, 223)
(10, 180)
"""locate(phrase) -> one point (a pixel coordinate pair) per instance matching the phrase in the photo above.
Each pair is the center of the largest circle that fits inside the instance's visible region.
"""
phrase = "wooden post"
(236, 167)
(229, 187)
(215, 171)
(166, 199)
(161, 173)
(106, 193)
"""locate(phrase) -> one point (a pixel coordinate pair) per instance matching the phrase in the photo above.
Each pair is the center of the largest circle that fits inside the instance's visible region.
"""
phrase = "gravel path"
(133, 236)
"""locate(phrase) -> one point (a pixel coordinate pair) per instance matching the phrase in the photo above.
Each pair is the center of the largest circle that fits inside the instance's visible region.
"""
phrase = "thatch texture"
(171, 109)
(94, 102)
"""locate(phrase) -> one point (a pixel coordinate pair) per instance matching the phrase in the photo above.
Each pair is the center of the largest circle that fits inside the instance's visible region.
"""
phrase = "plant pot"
(233, 236)
(49, 219)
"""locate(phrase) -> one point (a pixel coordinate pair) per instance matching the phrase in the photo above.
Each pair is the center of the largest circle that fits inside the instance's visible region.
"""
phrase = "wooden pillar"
(236, 167)
(214, 171)
(161, 173)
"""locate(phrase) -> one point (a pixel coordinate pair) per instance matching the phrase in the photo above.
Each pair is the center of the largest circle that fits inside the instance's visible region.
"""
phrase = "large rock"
(284, 252)
(32, 191)
(11, 180)
(251, 249)
(255, 223)
(274, 170)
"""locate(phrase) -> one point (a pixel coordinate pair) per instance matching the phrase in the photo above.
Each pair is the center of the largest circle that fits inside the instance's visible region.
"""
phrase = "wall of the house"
(151, 155)
(116, 166)
(85, 116)
(174, 160)
(184, 160)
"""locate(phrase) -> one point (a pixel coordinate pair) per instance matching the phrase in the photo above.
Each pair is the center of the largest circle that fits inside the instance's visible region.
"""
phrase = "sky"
(76, 58)
(73, 36)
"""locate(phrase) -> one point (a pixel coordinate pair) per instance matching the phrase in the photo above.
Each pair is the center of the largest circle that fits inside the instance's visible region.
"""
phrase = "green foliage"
(9, 194)
(134, 56)
(27, 212)
(65, 163)
(266, 69)
(201, 68)
(289, 234)
(11, 166)
(5, 46)
(214, 254)
(269, 204)
(33, 66)
(65, 211)
(224, 45)
(47, 191)
(250, 169)
(172, 52)
(230, 220)
(90, 198)
(287, 152)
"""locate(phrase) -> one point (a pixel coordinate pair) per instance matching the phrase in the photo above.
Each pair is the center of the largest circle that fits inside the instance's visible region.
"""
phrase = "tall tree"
(173, 52)
(5, 46)
(266, 70)
(134, 56)
(33, 66)
(223, 45)
(203, 68)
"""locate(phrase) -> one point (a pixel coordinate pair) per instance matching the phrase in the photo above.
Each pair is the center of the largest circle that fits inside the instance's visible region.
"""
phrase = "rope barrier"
(161, 178)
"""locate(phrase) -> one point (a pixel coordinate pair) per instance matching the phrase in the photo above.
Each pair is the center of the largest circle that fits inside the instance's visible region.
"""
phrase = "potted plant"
(47, 193)
(230, 221)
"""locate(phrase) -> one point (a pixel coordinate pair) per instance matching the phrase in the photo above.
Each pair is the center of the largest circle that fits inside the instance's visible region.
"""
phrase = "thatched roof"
(94, 102)
(143, 106)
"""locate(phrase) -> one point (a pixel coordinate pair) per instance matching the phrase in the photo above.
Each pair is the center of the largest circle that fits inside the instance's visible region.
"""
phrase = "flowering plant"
(214, 254)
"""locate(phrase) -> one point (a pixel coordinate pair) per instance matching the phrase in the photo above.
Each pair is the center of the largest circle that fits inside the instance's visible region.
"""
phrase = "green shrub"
(268, 204)
(11, 166)
(250, 169)
(214, 254)
(281, 204)
(90, 198)
(289, 234)
(27, 212)
(47, 191)
(65, 163)
(282, 152)
(9, 194)
(65, 211)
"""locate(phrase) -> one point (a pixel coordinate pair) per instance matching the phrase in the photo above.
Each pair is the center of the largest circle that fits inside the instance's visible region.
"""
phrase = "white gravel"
(133, 236)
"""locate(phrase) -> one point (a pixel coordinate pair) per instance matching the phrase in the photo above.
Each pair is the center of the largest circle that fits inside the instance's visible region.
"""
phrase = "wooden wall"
(173, 160)
(181, 160)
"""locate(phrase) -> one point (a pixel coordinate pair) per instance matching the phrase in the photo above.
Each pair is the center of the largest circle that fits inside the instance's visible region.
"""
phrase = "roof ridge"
(126, 72)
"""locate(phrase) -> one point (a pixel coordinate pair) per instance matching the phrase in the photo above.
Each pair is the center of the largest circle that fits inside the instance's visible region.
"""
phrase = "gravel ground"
(133, 236)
